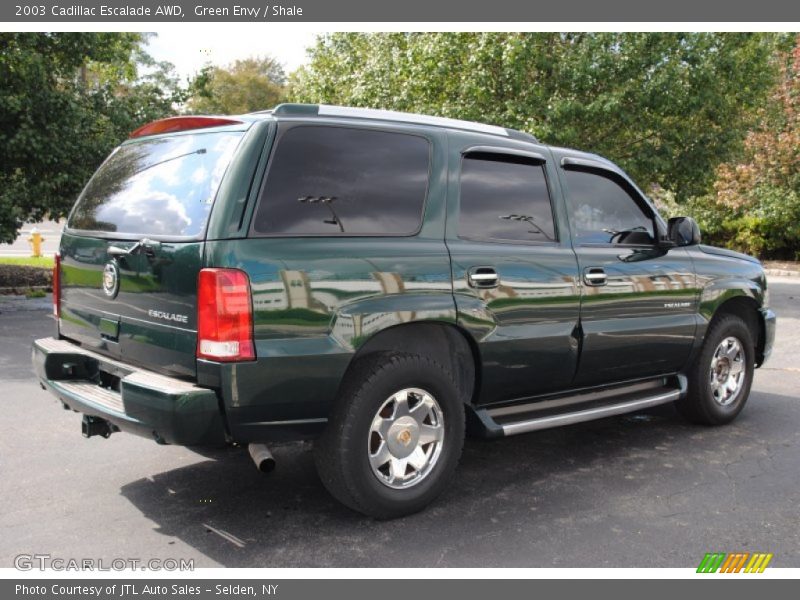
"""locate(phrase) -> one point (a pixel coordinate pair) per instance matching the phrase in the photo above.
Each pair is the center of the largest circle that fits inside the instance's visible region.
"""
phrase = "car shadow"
(575, 480)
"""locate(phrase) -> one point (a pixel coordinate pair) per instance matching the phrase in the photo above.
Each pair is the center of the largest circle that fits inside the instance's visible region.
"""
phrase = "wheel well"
(746, 309)
(441, 342)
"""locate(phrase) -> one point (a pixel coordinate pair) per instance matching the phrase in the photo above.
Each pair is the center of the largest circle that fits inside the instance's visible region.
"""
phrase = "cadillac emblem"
(111, 279)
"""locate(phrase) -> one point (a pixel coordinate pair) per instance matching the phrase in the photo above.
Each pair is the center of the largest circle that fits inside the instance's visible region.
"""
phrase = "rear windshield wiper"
(166, 160)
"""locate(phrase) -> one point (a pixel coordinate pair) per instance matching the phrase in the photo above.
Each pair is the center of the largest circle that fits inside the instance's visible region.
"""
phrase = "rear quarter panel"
(316, 301)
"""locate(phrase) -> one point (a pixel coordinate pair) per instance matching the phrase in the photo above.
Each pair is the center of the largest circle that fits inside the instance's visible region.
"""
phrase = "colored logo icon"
(736, 562)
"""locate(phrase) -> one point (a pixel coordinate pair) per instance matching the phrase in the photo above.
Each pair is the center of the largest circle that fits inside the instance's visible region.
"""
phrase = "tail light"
(224, 316)
(57, 286)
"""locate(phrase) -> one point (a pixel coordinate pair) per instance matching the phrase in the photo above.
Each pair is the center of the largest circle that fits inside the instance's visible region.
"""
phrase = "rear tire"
(394, 436)
(721, 376)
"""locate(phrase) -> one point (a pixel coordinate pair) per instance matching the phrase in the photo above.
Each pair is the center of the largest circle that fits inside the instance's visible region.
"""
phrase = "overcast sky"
(189, 48)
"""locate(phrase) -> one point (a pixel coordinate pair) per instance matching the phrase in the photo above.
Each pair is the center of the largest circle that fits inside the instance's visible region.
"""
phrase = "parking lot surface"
(643, 490)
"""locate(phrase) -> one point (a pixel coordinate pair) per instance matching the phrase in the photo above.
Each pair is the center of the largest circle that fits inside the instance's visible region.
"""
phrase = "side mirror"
(683, 231)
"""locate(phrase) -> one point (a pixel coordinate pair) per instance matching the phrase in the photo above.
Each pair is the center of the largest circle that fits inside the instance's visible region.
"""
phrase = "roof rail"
(325, 110)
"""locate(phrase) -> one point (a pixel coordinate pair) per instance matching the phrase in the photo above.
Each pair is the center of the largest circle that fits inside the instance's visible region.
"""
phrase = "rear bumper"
(769, 319)
(162, 408)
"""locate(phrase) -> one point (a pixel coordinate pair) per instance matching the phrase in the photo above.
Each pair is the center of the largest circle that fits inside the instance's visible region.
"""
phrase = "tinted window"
(163, 186)
(340, 181)
(504, 198)
(602, 211)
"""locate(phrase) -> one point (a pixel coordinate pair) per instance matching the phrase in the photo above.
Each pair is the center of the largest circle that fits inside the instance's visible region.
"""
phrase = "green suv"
(381, 283)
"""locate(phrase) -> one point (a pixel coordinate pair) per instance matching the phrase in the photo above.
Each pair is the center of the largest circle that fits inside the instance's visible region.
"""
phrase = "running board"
(535, 416)
(580, 416)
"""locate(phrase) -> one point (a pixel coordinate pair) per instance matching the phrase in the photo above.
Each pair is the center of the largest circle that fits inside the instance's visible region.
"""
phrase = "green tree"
(757, 196)
(668, 106)
(66, 100)
(245, 86)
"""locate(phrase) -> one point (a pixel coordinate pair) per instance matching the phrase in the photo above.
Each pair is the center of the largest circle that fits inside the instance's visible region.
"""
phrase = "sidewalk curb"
(781, 273)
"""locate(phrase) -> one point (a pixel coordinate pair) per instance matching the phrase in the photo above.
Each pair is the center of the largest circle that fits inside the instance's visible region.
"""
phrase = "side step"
(578, 408)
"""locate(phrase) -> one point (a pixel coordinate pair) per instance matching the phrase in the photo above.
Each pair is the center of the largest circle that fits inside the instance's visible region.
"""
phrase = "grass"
(292, 316)
(45, 262)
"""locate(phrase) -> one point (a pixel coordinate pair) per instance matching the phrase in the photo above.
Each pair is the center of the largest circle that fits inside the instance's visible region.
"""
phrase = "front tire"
(721, 376)
(394, 437)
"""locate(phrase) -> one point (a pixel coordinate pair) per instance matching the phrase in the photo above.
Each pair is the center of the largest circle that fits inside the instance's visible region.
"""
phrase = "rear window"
(162, 186)
(344, 181)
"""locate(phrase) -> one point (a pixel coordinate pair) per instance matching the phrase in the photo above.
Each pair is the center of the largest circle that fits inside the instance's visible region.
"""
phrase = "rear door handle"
(594, 276)
(482, 277)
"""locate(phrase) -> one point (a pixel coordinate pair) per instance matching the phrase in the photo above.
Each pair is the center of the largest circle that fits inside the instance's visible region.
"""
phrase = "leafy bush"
(767, 226)
(758, 196)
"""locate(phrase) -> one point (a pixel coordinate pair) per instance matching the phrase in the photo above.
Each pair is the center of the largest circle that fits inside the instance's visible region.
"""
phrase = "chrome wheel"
(727, 373)
(406, 438)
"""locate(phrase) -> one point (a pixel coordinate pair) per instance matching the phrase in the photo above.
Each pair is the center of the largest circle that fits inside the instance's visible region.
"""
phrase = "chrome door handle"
(594, 276)
(482, 277)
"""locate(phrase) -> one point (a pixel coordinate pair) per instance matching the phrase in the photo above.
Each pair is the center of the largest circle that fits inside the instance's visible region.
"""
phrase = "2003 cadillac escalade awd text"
(381, 282)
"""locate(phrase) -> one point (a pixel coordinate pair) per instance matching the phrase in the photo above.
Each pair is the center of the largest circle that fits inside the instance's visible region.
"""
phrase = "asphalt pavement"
(644, 490)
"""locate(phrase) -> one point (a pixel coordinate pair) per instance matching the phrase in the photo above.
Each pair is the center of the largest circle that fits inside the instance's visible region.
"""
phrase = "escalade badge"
(111, 280)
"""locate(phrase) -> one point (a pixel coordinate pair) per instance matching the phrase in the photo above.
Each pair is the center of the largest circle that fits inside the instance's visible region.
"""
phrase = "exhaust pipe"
(262, 457)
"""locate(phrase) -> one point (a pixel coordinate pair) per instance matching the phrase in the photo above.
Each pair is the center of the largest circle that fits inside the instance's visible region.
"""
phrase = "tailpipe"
(262, 457)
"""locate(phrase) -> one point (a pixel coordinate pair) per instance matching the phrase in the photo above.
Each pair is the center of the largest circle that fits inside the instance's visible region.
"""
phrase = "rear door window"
(334, 181)
(504, 198)
(159, 187)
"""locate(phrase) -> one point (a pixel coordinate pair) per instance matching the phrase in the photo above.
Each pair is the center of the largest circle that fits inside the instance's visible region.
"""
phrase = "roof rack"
(325, 110)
